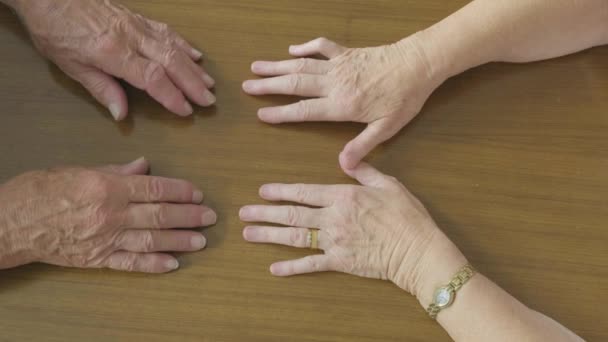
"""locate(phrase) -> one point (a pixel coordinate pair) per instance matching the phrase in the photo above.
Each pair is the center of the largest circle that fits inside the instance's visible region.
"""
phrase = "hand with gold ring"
(377, 229)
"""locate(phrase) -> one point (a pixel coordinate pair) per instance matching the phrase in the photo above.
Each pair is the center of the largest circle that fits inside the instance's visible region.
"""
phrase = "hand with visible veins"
(383, 87)
(97, 42)
(377, 229)
(380, 230)
(112, 217)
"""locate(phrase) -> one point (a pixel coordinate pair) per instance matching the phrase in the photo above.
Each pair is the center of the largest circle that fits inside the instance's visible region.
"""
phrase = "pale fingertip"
(209, 97)
(265, 190)
(198, 242)
(209, 217)
(247, 233)
(188, 108)
(248, 86)
(244, 213)
(172, 264)
(265, 115)
(138, 166)
(347, 161)
(274, 270)
(209, 81)
(115, 110)
(196, 54)
(197, 197)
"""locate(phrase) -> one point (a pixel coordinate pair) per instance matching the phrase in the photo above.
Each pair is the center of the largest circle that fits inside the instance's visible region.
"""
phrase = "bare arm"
(380, 230)
(482, 310)
(514, 31)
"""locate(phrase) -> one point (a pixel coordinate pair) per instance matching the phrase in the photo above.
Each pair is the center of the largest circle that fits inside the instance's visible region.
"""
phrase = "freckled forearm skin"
(514, 31)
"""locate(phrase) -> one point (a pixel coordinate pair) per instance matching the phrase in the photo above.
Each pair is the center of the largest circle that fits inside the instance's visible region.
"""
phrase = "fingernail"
(209, 217)
(247, 85)
(265, 189)
(198, 242)
(210, 82)
(197, 53)
(209, 97)
(188, 108)
(172, 264)
(197, 196)
(115, 110)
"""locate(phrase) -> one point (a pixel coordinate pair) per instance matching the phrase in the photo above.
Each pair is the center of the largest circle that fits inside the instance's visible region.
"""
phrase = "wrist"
(453, 48)
(440, 260)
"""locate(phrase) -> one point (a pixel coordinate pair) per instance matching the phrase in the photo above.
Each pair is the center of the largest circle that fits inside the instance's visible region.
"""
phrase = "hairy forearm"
(514, 31)
(482, 311)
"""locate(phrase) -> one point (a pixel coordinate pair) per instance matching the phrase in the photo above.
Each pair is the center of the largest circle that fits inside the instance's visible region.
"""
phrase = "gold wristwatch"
(444, 295)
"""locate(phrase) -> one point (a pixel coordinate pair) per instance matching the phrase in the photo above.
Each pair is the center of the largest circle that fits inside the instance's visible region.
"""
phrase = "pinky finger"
(309, 264)
(142, 262)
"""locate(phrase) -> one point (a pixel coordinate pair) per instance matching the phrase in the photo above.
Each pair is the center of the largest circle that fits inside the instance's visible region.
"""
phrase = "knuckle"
(153, 73)
(301, 65)
(171, 58)
(300, 193)
(292, 216)
(294, 82)
(303, 109)
(159, 215)
(128, 262)
(97, 185)
(163, 27)
(147, 241)
(154, 189)
(108, 44)
(296, 237)
(314, 264)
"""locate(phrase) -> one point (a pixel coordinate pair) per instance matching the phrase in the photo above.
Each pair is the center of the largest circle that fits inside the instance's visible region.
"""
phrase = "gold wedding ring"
(313, 238)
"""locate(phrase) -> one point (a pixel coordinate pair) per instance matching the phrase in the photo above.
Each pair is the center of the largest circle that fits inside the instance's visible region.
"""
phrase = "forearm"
(482, 311)
(514, 31)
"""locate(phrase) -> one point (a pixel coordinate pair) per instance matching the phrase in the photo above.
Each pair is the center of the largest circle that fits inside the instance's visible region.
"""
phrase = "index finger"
(150, 189)
(308, 194)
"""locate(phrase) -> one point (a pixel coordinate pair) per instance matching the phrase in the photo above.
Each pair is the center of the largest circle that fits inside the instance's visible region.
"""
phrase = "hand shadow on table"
(140, 104)
(16, 278)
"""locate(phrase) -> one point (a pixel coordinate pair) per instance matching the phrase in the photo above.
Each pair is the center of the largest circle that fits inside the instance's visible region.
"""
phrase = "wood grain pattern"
(512, 161)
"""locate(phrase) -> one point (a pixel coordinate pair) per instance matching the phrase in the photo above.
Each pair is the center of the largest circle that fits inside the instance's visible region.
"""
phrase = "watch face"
(444, 296)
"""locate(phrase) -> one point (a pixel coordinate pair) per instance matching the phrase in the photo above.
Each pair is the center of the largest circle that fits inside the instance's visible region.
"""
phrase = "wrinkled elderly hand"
(376, 230)
(112, 217)
(94, 41)
(384, 87)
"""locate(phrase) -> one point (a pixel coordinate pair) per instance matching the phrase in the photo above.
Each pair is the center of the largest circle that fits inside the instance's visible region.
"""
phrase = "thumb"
(376, 133)
(369, 176)
(139, 166)
(105, 89)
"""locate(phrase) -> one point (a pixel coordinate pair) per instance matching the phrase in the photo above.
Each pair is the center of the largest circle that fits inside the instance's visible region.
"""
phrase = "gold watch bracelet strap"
(460, 278)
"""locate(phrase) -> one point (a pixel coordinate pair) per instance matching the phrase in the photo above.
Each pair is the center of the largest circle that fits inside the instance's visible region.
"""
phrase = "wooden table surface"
(511, 160)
